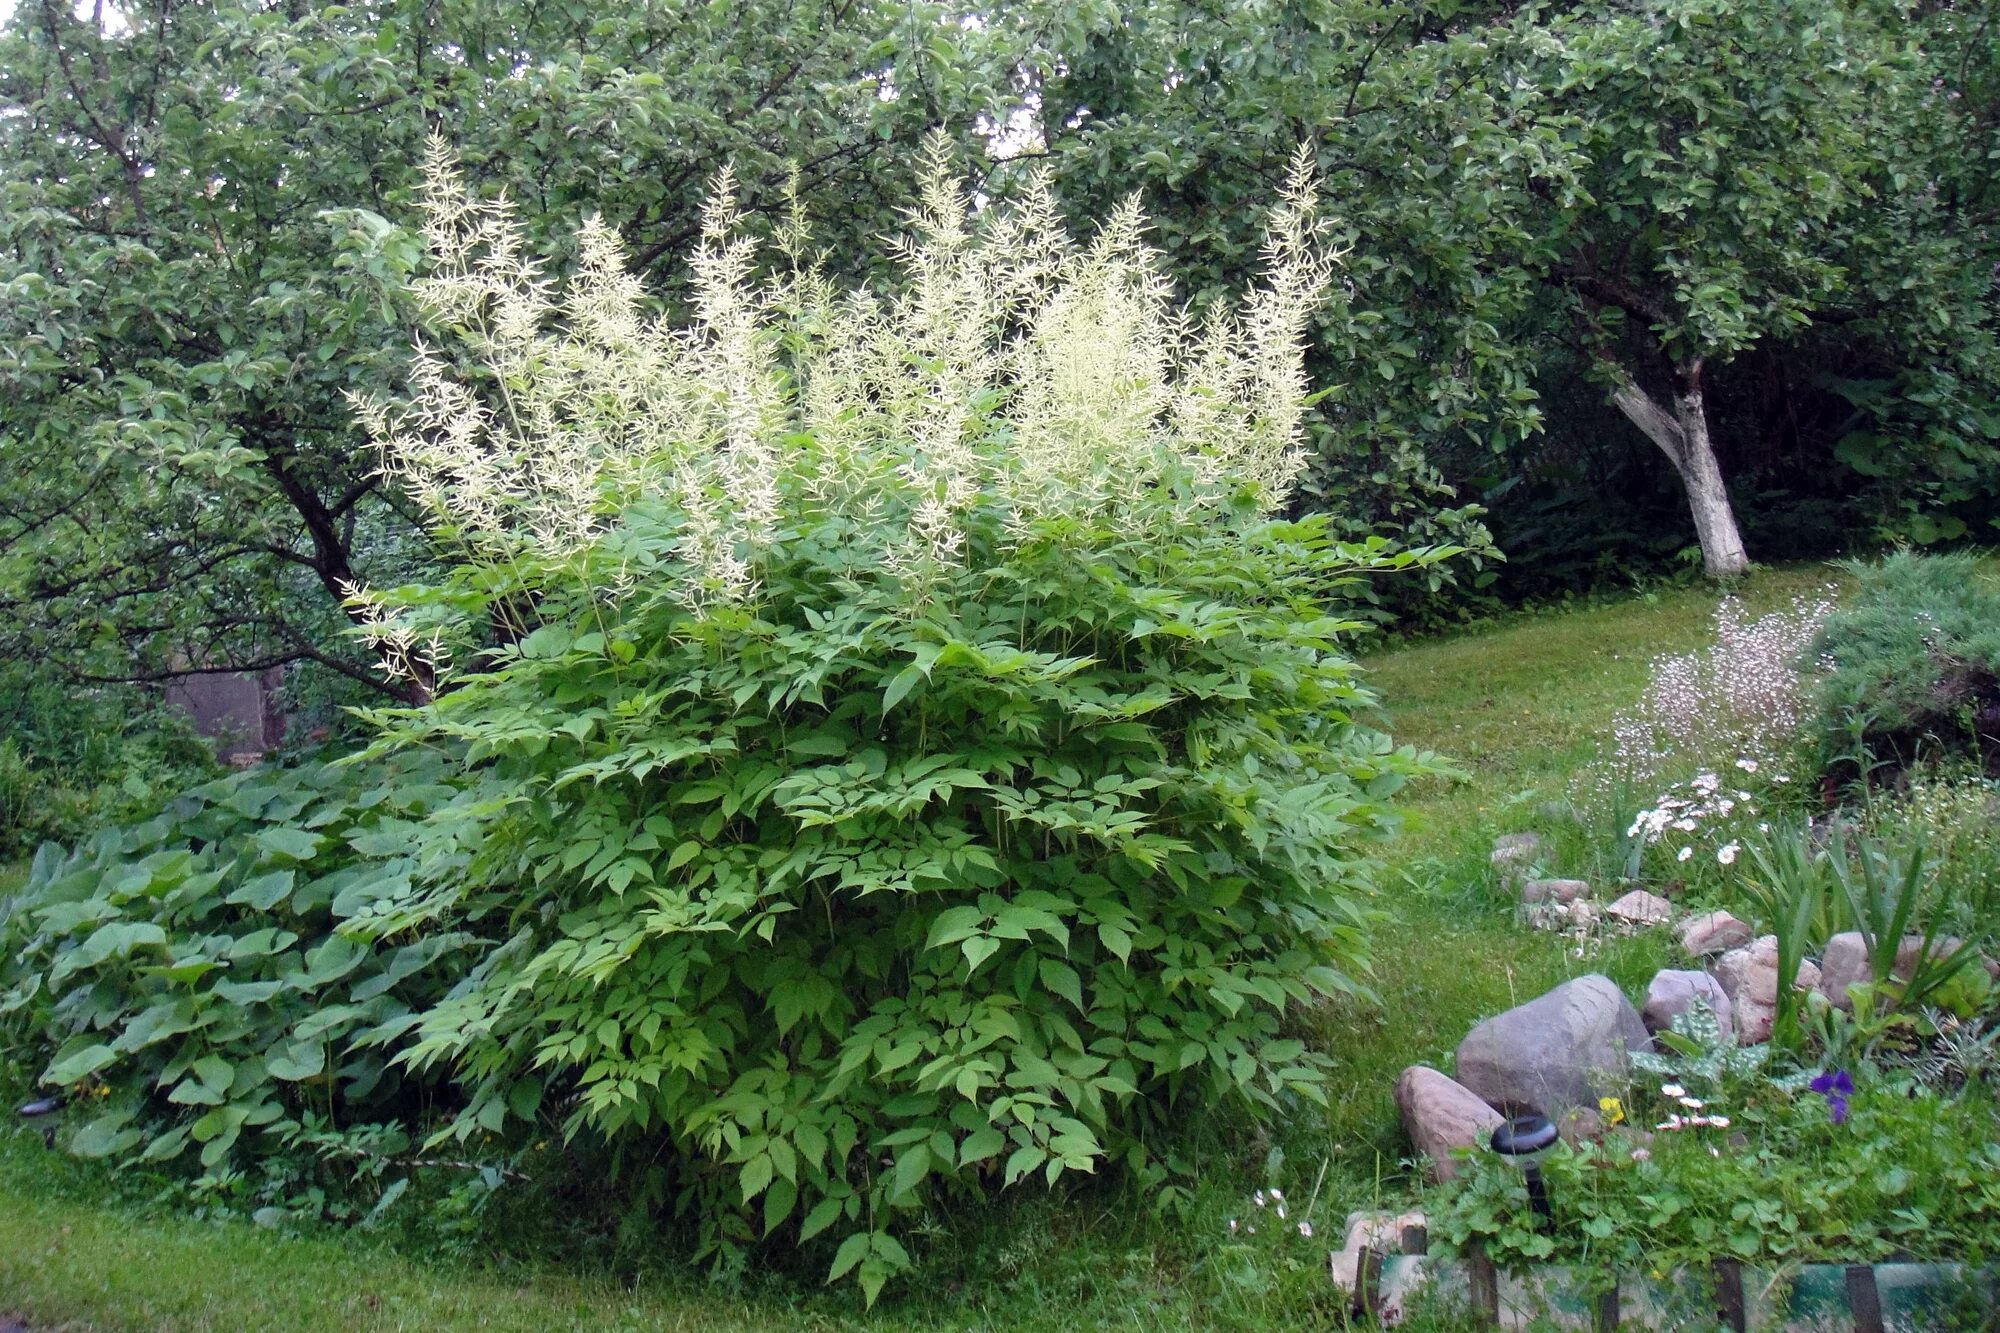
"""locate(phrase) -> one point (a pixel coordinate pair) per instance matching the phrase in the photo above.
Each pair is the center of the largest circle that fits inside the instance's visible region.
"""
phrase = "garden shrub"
(207, 986)
(75, 758)
(929, 765)
(1913, 665)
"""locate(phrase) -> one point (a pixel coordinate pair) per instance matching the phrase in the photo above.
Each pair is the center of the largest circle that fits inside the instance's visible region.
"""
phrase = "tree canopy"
(1551, 215)
(198, 267)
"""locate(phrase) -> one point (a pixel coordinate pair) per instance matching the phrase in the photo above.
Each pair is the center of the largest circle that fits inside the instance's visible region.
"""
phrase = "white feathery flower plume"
(1010, 367)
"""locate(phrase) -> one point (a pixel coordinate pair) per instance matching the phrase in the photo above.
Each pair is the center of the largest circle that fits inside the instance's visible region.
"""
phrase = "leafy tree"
(1659, 187)
(184, 315)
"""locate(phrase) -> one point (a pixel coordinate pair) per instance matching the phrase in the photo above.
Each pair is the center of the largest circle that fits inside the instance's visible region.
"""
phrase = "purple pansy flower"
(1836, 1087)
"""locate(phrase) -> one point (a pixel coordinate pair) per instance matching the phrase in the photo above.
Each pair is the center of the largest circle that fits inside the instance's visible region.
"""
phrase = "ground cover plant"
(915, 759)
(204, 987)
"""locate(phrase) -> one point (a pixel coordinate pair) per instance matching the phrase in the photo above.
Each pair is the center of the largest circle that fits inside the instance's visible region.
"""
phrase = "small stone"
(1561, 1050)
(1672, 993)
(1513, 848)
(1581, 914)
(1843, 964)
(1640, 908)
(1750, 977)
(1554, 890)
(1715, 933)
(1580, 1124)
(1441, 1115)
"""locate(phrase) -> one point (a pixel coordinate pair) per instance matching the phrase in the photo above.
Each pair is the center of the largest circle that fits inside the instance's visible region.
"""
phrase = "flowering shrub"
(929, 765)
(1745, 697)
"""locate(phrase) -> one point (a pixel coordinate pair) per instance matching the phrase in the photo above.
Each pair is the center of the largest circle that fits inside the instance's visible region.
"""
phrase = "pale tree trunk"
(1682, 436)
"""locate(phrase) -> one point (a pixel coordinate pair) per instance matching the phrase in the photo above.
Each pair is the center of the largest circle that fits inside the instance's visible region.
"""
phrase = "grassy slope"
(1521, 704)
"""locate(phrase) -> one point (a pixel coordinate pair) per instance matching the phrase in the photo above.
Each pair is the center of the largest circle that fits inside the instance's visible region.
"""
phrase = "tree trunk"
(1682, 436)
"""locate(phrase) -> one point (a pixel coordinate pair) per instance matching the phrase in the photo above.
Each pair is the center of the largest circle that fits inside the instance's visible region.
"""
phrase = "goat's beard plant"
(933, 766)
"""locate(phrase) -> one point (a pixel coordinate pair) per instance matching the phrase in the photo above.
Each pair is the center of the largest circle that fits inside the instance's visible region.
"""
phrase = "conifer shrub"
(919, 757)
(1912, 667)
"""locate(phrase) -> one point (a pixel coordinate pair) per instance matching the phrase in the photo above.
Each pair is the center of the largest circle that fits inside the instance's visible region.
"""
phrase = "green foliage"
(1648, 191)
(1913, 666)
(196, 268)
(76, 759)
(210, 984)
(853, 906)
(1910, 1171)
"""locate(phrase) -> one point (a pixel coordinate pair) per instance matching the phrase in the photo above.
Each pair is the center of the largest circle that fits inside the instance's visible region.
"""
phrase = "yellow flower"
(1614, 1110)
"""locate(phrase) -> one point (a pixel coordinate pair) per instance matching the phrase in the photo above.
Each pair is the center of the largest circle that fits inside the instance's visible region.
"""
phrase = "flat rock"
(1712, 934)
(1640, 908)
(1554, 890)
(1441, 1115)
(1672, 993)
(1561, 1050)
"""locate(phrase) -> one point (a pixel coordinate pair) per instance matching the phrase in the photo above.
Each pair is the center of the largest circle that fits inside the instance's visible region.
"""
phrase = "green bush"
(930, 766)
(73, 759)
(901, 753)
(207, 986)
(1913, 666)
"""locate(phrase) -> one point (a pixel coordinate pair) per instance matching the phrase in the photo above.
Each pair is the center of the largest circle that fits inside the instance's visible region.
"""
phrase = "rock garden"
(1792, 1122)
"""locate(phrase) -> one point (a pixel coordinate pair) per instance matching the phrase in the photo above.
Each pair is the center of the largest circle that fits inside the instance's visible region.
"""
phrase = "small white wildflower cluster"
(1700, 1117)
(1012, 367)
(1746, 694)
(1273, 1199)
(1688, 811)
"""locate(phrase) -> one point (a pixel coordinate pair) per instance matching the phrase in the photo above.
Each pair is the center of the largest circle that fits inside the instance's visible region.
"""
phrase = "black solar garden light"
(1522, 1141)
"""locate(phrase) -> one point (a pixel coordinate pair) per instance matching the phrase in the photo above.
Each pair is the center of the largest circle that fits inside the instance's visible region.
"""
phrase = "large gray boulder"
(1565, 1049)
(1672, 993)
(1441, 1115)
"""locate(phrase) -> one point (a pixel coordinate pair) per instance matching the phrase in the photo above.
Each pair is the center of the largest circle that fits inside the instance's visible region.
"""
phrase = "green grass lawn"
(1521, 705)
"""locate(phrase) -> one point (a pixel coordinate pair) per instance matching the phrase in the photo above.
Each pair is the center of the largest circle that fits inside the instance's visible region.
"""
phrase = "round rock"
(1561, 1050)
(1441, 1115)
(1672, 993)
